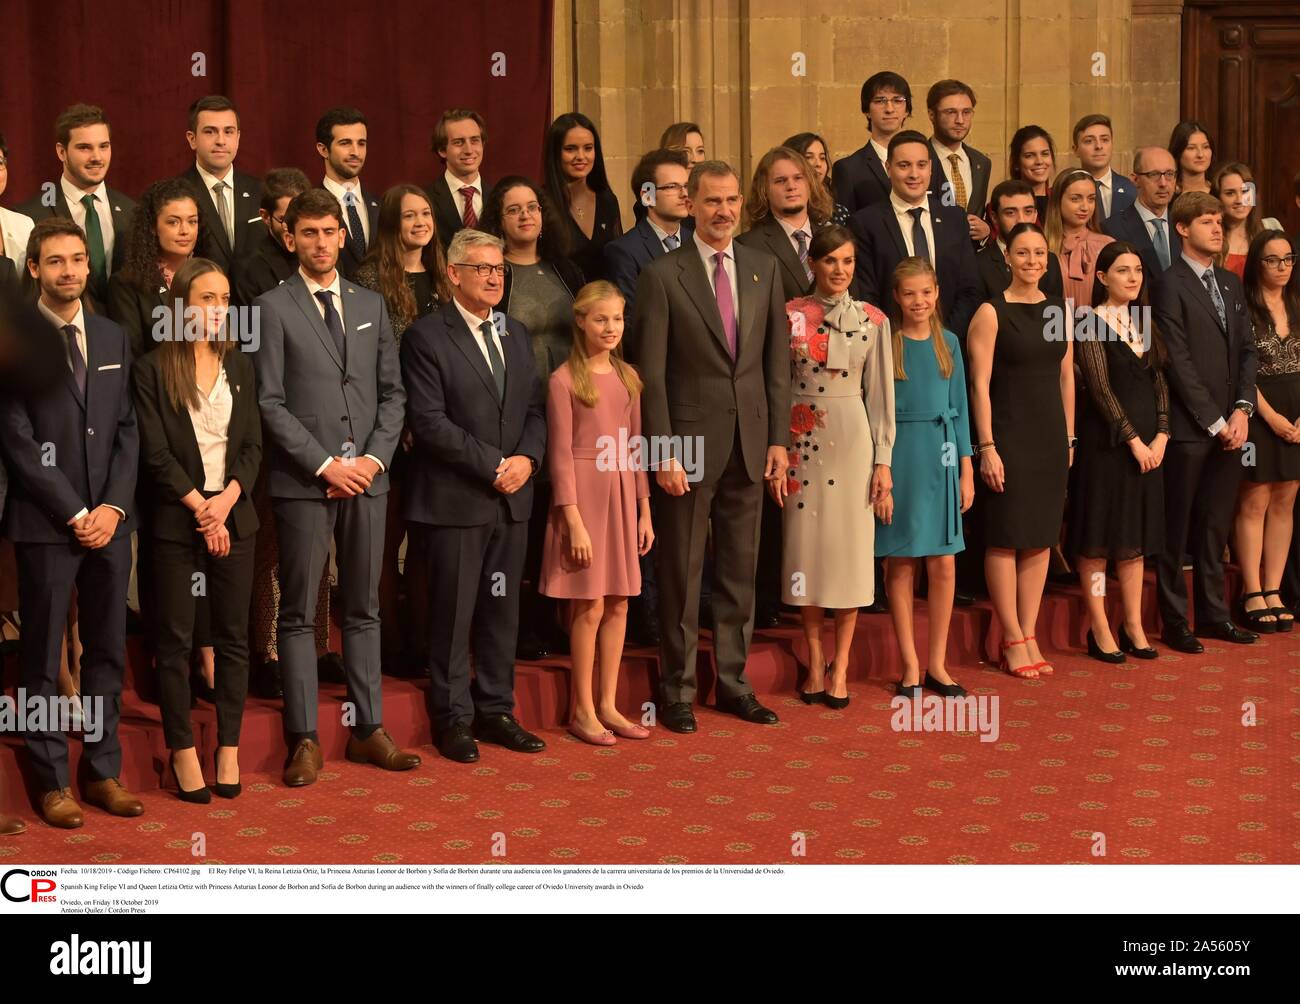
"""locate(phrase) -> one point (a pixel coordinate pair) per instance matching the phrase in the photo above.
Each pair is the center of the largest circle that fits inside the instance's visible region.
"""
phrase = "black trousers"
(1201, 480)
(185, 574)
(47, 574)
(474, 574)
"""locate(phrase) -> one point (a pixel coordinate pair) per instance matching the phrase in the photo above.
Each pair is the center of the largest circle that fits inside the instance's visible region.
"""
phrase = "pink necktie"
(726, 302)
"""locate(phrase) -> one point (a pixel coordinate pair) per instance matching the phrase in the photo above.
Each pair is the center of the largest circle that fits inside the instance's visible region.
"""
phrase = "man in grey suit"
(330, 389)
(713, 347)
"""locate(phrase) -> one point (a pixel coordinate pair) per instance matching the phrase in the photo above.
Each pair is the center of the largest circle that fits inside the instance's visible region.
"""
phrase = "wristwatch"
(1247, 408)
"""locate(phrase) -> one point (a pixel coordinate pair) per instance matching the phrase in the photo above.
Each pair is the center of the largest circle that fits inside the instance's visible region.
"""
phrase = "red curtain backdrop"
(400, 61)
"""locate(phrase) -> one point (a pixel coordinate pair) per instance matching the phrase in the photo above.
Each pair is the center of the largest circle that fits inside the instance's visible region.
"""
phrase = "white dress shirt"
(472, 322)
(79, 322)
(455, 184)
(340, 190)
(1106, 188)
(314, 287)
(16, 229)
(1147, 216)
(963, 167)
(904, 213)
(729, 264)
(881, 151)
(804, 228)
(228, 195)
(73, 195)
(211, 422)
(663, 235)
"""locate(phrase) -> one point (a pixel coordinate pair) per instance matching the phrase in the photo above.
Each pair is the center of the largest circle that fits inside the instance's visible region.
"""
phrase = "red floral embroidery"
(814, 312)
(802, 419)
(873, 315)
(818, 343)
(791, 485)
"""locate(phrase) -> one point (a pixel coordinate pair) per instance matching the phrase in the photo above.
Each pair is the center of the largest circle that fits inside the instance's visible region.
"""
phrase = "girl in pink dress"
(600, 506)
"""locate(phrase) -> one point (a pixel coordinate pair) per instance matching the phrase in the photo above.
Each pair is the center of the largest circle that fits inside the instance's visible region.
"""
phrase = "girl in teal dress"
(934, 482)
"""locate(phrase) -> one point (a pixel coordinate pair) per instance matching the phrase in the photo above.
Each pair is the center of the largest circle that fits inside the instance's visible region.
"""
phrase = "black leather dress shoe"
(503, 730)
(329, 668)
(531, 650)
(678, 717)
(456, 743)
(960, 599)
(1180, 639)
(750, 710)
(1228, 631)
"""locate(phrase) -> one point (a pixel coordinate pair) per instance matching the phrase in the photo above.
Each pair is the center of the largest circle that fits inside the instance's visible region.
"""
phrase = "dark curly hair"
(553, 243)
(143, 250)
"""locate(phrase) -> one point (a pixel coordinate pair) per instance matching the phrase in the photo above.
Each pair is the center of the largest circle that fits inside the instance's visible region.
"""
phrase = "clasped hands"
(348, 476)
(95, 529)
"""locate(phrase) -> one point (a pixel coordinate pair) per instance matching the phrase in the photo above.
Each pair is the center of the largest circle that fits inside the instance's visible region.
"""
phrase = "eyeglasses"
(885, 102)
(1158, 175)
(279, 220)
(672, 186)
(1273, 261)
(529, 210)
(956, 113)
(483, 270)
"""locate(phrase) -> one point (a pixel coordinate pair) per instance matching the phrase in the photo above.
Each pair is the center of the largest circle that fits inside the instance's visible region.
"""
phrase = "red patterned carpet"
(1154, 756)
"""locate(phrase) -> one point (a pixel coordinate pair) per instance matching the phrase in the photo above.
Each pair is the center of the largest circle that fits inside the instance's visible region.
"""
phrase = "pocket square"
(255, 219)
(109, 366)
(362, 327)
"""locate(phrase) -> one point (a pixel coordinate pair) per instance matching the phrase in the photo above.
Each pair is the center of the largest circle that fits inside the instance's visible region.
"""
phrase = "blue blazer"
(626, 256)
(1128, 226)
(461, 431)
(1125, 193)
(67, 451)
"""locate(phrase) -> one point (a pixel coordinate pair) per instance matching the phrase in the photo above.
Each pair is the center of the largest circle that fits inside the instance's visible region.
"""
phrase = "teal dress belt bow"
(952, 493)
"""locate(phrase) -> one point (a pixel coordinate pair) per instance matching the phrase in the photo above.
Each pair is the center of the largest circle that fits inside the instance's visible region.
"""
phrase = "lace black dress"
(1278, 381)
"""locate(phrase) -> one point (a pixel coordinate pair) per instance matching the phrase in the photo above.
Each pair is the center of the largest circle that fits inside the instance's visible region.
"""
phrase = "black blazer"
(123, 217)
(66, 451)
(445, 208)
(980, 170)
(268, 266)
(995, 273)
(860, 179)
(1209, 368)
(625, 257)
(881, 247)
(1128, 226)
(169, 451)
(133, 308)
(248, 222)
(461, 433)
(348, 261)
(768, 235)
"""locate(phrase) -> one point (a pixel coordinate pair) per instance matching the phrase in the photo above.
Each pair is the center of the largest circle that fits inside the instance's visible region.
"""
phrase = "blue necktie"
(1162, 243)
(334, 323)
(356, 235)
(1213, 288)
(495, 363)
(920, 246)
(672, 242)
(74, 354)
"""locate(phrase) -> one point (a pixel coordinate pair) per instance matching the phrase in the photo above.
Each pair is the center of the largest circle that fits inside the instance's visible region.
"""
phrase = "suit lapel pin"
(243, 195)
(756, 278)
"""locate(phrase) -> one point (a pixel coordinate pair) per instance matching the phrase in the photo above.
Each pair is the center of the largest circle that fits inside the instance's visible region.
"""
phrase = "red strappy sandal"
(1024, 672)
(1044, 668)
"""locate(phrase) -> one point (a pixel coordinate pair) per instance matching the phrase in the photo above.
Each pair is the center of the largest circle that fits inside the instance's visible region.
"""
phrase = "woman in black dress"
(1267, 496)
(406, 267)
(1022, 402)
(577, 183)
(1117, 502)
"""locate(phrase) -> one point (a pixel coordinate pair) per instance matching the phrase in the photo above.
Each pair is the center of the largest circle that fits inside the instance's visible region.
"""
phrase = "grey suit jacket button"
(90, 432)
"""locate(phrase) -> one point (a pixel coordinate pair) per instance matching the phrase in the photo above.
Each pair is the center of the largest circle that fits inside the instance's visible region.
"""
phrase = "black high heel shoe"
(224, 790)
(1094, 650)
(199, 796)
(1126, 645)
(816, 697)
(837, 703)
(1284, 614)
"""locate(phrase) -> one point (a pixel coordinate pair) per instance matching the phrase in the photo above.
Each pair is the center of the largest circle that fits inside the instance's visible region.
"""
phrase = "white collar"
(211, 179)
(455, 184)
(1147, 215)
(902, 208)
(708, 251)
(313, 287)
(1107, 180)
(662, 234)
(73, 195)
(471, 320)
(944, 149)
(339, 189)
(78, 319)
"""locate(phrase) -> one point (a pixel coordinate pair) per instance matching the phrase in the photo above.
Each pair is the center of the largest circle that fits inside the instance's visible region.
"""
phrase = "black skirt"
(1275, 459)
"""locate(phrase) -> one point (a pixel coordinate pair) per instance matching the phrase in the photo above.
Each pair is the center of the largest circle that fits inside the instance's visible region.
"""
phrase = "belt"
(952, 493)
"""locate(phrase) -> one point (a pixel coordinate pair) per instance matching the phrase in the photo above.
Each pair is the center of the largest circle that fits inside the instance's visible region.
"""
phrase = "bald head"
(1155, 175)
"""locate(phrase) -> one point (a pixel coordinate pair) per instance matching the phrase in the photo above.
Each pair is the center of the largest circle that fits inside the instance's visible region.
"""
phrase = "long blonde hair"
(910, 268)
(584, 388)
(758, 206)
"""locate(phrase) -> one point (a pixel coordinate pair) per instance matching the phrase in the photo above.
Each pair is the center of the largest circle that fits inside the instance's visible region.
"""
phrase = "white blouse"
(211, 421)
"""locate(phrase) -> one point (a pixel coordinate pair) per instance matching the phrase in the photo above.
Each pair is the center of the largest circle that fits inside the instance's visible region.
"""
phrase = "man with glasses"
(272, 262)
(963, 178)
(860, 178)
(330, 389)
(477, 414)
(1146, 224)
(659, 190)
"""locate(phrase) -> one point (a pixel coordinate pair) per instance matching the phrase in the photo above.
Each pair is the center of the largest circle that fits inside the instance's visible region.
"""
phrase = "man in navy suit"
(227, 198)
(913, 222)
(477, 414)
(1146, 224)
(341, 143)
(959, 174)
(72, 453)
(860, 179)
(330, 389)
(1094, 145)
(84, 145)
(659, 186)
(1201, 312)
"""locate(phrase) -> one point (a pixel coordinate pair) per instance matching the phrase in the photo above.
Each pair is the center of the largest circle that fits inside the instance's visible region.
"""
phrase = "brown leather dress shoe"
(59, 808)
(11, 825)
(304, 763)
(114, 799)
(381, 751)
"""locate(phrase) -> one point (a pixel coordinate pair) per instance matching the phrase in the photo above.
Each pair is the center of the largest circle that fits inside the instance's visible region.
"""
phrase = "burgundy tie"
(726, 303)
(470, 219)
